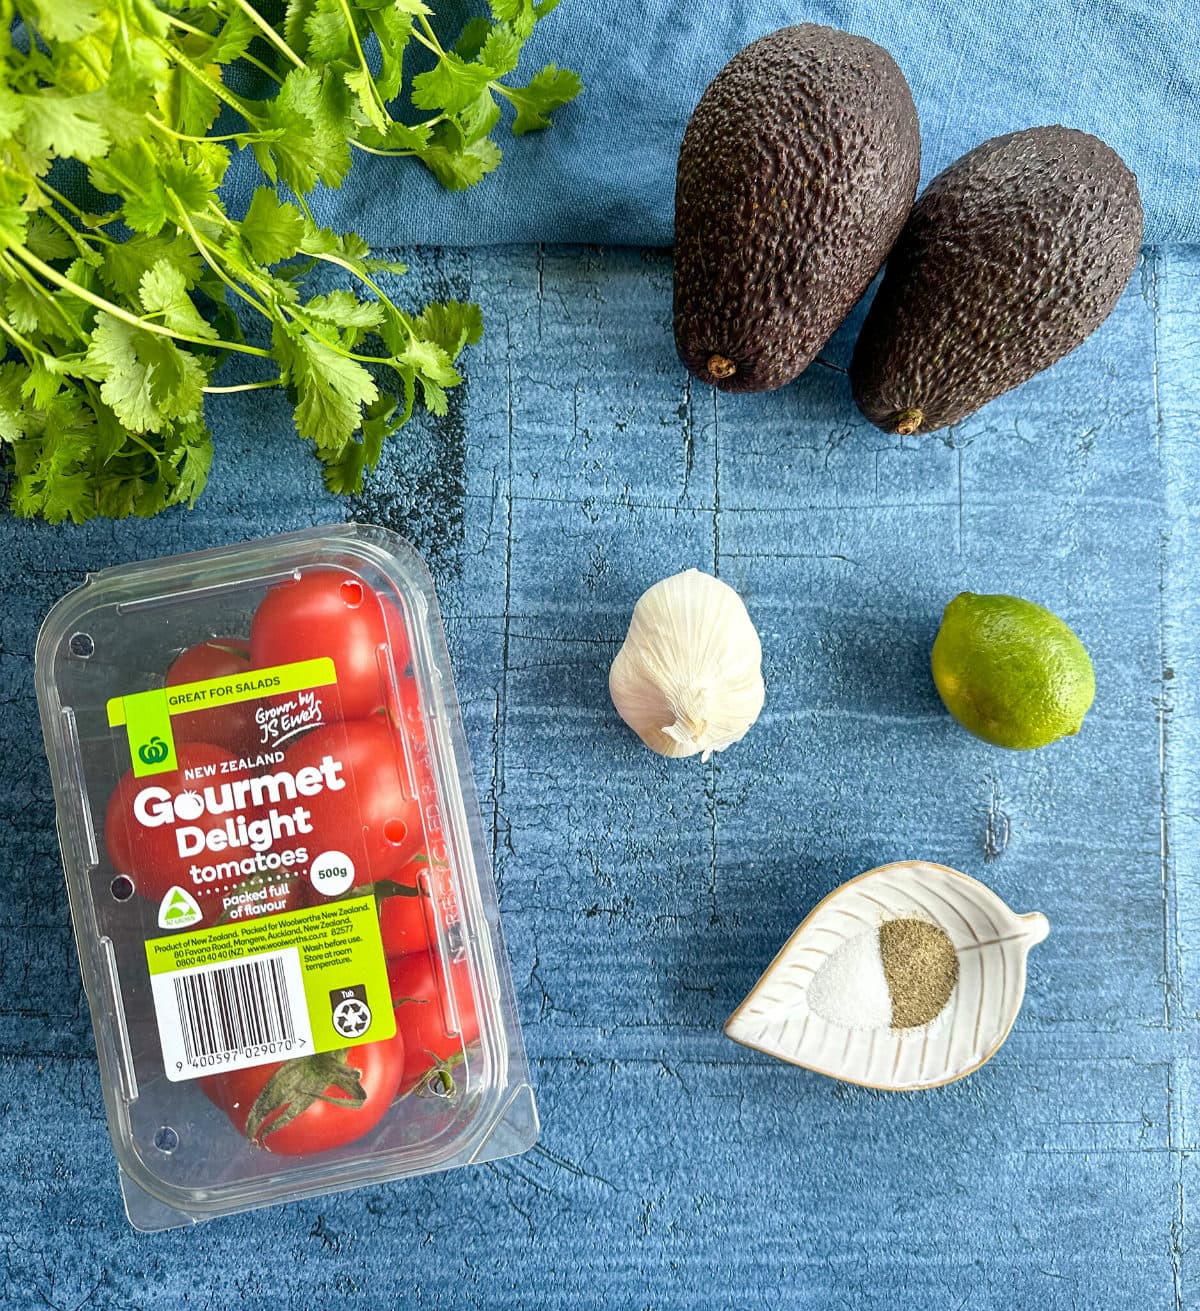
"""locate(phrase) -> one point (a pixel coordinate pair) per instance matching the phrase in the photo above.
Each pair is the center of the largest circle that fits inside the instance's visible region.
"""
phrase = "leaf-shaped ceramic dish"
(991, 941)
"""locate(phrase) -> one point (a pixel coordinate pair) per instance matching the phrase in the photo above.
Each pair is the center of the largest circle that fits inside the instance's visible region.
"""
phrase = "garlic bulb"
(689, 676)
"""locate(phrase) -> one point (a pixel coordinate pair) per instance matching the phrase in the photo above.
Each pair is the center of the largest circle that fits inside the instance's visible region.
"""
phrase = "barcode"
(226, 1010)
(232, 1016)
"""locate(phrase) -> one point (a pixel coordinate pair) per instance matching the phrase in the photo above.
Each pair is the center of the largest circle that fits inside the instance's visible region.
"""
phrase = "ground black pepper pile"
(920, 966)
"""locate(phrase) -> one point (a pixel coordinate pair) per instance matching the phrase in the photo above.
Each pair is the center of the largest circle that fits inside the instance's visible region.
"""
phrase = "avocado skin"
(1011, 258)
(796, 173)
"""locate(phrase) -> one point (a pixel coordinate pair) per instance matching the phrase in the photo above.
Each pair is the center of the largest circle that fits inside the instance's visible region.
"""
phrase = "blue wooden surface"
(641, 898)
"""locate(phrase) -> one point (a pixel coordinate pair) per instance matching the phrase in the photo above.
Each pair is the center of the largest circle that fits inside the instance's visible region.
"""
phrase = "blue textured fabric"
(641, 897)
(1127, 70)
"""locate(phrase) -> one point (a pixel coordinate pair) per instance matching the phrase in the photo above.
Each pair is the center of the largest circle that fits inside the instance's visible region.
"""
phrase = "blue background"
(641, 897)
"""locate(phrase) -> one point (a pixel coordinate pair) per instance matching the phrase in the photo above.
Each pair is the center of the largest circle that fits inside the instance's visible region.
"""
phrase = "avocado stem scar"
(906, 422)
(720, 367)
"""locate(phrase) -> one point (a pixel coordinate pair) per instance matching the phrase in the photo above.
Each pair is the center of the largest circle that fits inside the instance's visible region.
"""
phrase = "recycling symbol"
(351, 1017)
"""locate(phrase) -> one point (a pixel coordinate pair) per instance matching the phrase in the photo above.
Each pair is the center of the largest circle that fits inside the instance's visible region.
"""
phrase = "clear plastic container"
(286, 920)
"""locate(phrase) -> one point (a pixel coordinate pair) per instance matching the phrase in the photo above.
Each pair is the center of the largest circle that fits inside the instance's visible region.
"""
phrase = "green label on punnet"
(147, 715)
(151, 742)
(270, 988)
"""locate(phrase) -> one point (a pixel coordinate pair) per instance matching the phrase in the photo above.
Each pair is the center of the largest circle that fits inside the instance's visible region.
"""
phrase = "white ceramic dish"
(992, 943)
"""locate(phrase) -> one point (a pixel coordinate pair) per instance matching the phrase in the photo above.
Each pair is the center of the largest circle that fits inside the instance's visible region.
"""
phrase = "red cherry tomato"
(405, 922)
(231, 726)
(424, 1017)
(405, 917)
(312, 1103)
(148, 854)
(374, 819)
(397, 635)
(328, 612)
(409, 716)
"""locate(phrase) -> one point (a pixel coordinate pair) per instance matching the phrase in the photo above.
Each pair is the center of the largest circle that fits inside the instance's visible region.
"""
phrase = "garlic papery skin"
(688, 678)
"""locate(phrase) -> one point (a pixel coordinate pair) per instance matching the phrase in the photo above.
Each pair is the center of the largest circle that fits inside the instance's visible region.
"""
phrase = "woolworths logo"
(154, 752)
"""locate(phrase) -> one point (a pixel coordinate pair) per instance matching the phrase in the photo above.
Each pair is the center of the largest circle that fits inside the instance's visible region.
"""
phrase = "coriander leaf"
(233, 40)
(191, 461)
(146, 378)
(548, 89)
(457, 170)
(501, 52)
(14, 223)
(12, 112)
(363, 88)
(29, 311)
(46, 240)
(189, 103)
(296, 18)
(392, 27)
(344, 472)
(127, 262)
(148, 212)
(43, 381)
(450, 85)
(520, 13)
(49, 487)
(479, 117)
(157, 186)
(328, 33)
(309, 124)
(64, 125)
(345, 309)
(272, 228)
(164, 295)
(471, 38)
(323, 241)
(403, 136)
(451, 324)
(65, 20)
(52, 460)
(330, 389)
(13, 417)
(434, 397)
(430, 361)
(398, 267)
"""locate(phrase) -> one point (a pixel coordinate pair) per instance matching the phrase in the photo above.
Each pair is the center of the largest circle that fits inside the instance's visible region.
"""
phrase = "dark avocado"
(1010, 259)
(795, 176)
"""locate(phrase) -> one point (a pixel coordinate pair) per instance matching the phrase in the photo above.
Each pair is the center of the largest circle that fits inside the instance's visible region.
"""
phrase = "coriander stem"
(72, 208)
(263, 284)
(246, 55)
(183, 136)
(429, 45)
(78, 240)
(270, 33)
(432, 42)
(368, 281)
(182, 215)
(374, 150)
(244, 386)
(53, 275)
(362, 59)
(218, 89)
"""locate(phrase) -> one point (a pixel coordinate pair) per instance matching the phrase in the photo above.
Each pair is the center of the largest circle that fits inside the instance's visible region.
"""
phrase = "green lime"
(1011, 672)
